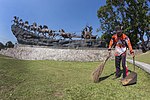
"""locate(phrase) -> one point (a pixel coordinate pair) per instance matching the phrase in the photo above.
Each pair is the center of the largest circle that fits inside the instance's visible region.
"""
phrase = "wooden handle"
(134, 62)
(106, 59)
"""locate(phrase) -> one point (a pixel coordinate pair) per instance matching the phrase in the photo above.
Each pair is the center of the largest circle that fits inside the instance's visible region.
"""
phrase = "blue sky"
(71, 15)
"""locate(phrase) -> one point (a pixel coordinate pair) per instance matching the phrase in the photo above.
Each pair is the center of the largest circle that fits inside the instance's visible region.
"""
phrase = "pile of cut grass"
(53, 80)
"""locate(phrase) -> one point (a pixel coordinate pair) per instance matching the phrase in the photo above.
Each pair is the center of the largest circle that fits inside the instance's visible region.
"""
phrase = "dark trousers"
(118, 59)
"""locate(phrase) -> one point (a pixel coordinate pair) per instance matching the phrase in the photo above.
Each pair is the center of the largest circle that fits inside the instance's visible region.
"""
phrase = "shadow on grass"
(105, 77)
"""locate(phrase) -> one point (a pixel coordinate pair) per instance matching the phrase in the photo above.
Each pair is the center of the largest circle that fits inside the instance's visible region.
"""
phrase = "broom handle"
(134, 62)
(106, 59)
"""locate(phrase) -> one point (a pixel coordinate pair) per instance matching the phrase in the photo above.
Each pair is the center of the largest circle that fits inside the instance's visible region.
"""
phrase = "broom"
(96, 73)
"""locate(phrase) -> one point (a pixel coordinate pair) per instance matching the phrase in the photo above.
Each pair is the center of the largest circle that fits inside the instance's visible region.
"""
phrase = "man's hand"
(133, 54)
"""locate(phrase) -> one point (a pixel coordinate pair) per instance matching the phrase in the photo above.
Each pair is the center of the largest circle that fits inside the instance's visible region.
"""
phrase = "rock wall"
(45, 53)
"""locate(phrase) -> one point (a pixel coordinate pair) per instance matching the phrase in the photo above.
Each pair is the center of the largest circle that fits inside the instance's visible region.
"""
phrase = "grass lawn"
(53, 80)
(145, 57)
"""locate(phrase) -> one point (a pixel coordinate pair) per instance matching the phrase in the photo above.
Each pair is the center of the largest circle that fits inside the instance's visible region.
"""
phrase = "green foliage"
(133, 15)
(106, 37)
(53, 80)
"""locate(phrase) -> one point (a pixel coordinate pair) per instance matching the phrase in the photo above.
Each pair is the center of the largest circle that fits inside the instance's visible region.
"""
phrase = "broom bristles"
(96, 73)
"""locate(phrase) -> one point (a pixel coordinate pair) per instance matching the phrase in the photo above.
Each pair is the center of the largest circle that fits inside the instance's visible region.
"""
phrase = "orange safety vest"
(121, 44)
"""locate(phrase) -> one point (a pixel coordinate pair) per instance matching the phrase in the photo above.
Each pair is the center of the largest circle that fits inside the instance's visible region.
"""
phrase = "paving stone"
(142, 65)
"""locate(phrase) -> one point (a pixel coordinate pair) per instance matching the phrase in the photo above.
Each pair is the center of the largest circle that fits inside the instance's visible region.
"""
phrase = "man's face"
(119, 33)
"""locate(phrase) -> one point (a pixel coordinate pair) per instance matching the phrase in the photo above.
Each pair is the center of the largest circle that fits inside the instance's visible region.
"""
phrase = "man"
(121, 42)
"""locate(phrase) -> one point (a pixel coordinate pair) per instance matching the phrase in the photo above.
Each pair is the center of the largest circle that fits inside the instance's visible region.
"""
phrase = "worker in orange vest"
(121, 42)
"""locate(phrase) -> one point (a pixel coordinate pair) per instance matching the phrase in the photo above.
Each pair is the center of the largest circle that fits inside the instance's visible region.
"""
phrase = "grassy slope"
(145, 57)
(42, 80)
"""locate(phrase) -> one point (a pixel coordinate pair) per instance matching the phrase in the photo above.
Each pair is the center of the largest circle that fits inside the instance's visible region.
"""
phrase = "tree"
(133, 15)
(1, 46)
(9, 44)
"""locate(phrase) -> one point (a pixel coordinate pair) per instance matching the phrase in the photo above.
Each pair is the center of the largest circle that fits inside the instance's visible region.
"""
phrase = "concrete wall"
(38, 53)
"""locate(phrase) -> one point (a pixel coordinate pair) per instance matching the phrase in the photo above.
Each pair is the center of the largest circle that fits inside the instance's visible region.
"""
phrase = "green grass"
(145, 57)
(53, 80)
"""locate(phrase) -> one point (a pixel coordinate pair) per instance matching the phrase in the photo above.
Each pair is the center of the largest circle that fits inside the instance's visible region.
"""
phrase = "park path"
(142, 65)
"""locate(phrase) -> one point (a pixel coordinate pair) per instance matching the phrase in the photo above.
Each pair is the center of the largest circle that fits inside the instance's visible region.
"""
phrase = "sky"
(71, 15)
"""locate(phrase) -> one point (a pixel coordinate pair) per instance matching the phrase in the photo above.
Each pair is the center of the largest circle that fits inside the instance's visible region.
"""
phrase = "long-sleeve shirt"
(121, 44)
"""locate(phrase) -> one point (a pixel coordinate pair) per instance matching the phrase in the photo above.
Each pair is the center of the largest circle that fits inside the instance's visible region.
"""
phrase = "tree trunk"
(147, 34)
(144, 47)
